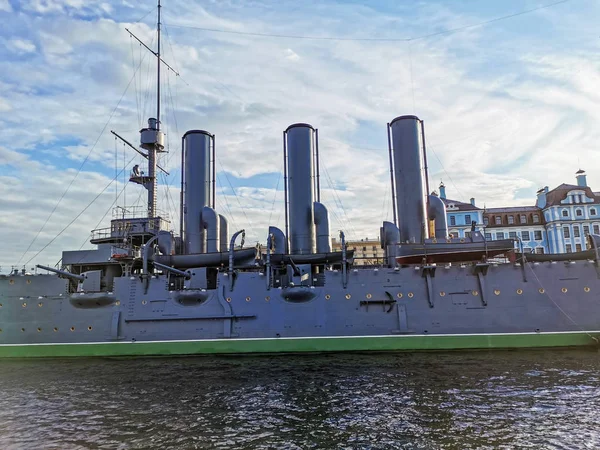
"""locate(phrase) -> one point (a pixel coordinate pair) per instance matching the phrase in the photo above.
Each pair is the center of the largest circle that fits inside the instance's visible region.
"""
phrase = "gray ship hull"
(411, 308)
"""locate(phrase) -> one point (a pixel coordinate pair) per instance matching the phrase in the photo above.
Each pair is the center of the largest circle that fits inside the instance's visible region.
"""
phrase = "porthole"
(519, 291)
(118, 302)
(442, 294)
(40, 304)
(586, 289)
(24, 304)
(228, 299)
(474, 293)
(410, 295)
(496, 291)
(39, 329)
(11, 281)
(72, 328)
(564, 290)
(462, 239)
(89, 328)
(55, 329)
(348, 296)
(22, 329)
(327, 297)
(541, 290)
(267, 298)
(399, 295)
(448, 241)
(247, 299)
(144, 302)
(0, 305)
(0, 330)
(28, 281)
(369, 296)
(434, 241)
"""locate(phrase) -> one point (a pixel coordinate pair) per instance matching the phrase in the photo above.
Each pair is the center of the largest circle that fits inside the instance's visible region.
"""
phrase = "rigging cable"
(76, 217)
(78, 170)
(409, 39)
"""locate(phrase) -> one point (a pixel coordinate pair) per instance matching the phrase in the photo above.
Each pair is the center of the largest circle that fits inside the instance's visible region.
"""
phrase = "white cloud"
(5, 6)
(500, 120)
(21, 46)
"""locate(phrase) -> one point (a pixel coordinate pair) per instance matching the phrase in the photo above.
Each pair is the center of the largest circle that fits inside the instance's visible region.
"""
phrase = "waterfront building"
(367, 251)
(557, 223)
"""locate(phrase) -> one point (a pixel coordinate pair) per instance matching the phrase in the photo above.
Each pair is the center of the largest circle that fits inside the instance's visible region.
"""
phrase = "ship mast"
(153, 152)
(151, 138)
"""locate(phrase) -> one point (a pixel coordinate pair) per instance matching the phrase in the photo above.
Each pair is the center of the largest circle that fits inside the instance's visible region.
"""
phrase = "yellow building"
(367, 251)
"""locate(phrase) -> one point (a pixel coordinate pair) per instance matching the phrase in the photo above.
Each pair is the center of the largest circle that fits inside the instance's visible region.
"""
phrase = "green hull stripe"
(315, 344)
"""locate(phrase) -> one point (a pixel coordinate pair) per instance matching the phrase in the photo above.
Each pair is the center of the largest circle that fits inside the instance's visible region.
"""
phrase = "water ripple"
(477, 400)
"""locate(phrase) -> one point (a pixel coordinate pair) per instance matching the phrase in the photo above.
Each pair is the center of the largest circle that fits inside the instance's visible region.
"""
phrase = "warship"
(146, 290)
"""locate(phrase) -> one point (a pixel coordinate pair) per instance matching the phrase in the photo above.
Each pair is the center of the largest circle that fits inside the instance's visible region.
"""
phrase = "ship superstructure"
(146, 290)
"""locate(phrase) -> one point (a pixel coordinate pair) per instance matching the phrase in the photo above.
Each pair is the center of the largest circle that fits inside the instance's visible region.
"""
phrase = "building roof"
(460, 206)
(512, 209)
(559, 193)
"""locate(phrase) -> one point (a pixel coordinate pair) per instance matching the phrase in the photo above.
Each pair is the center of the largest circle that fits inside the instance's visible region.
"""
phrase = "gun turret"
(63, 273)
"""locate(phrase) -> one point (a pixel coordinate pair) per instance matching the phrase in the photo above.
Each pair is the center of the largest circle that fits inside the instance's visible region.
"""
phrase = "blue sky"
(509, 106)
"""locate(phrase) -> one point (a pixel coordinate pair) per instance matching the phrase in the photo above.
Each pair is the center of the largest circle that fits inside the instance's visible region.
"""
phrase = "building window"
(536, 218)
(364, 249)
(511, 220)
(498, 220)
(593, 212)
(486, 221)
(565, 213)
(499, 235)
(596, 229)
(512, 234)
(586, 230)
(577, 247)
(539, 250)
(525, 235)
(468, 219)
(537, 235)
(452, 220)
(578, 212)
(374, 248)
(575, 230)
(488, 236)
(566, 232)
(569, 248)
(523, 218)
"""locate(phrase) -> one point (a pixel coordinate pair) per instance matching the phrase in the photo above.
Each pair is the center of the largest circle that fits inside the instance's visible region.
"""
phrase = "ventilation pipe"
(299, 158)
(322, 228)
(210, 221)
(409, 178)
(436, 210)
(390, 238)
(223, 232)
(196, 172)
(278, 240)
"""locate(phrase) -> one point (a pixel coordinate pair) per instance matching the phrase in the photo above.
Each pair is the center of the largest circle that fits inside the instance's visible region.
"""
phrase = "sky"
(509, 106)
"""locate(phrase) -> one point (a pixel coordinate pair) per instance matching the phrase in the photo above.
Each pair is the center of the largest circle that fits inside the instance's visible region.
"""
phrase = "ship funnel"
(198, 187)
(406, 158)
(300, 153)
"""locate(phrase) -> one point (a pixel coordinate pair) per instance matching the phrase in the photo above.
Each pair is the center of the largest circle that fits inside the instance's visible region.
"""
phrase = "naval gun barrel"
(186, 275)
(64, 273)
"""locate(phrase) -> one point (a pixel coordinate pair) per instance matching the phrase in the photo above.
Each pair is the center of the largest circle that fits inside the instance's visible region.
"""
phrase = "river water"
(521, 399)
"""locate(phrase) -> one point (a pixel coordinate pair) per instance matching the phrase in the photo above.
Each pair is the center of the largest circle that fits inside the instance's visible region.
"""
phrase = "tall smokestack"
(299, 146)
(197, 187)
(409, 178)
